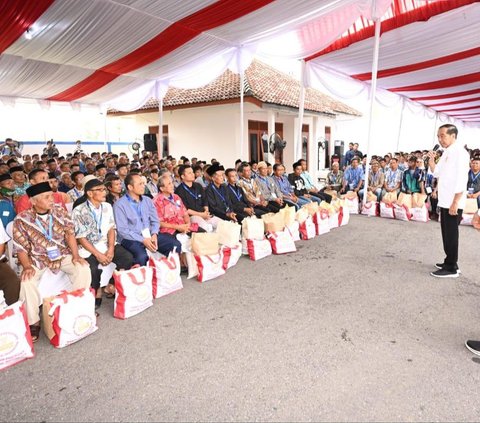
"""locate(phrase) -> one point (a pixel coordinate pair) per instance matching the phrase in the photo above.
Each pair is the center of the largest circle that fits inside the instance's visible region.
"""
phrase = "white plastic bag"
(133, 291)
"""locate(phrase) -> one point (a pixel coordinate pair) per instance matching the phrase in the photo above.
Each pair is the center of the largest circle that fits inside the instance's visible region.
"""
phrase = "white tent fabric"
(434, 62)
(95, 51)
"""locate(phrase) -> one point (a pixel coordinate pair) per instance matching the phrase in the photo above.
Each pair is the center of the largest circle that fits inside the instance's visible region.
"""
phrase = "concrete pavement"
(351, 327)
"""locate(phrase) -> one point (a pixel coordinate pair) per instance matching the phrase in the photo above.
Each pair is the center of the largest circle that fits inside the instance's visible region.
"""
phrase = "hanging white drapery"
(372, 101)
(301, 111)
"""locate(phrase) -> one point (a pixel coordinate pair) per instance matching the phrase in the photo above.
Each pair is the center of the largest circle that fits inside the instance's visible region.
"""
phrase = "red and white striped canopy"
(429, 52)
(93, 51)
(122, 52)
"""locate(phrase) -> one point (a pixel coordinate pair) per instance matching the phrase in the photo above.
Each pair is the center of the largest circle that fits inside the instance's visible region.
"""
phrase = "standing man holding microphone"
(452, 174)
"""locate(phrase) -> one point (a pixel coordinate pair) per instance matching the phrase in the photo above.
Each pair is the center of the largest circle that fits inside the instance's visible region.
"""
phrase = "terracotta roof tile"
(262, 82)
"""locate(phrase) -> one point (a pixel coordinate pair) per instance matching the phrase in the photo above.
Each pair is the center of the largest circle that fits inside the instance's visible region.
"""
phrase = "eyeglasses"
(99, 189)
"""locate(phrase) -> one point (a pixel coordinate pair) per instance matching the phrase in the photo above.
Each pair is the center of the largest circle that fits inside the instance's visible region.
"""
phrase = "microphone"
(437, 146)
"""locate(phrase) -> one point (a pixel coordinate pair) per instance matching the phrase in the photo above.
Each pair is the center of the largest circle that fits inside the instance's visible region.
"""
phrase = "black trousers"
(121, 257)
(449, 225)
(323, 196)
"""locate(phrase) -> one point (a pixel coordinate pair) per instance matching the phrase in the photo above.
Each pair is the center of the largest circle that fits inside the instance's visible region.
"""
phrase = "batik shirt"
(93, 224)
(74, 194)
(251, 190)
(29, 238)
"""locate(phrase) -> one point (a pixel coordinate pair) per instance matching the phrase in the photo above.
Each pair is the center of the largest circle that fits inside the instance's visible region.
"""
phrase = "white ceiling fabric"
(73, 39)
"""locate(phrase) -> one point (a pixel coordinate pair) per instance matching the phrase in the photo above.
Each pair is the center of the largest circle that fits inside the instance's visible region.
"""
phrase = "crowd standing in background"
(78, 211)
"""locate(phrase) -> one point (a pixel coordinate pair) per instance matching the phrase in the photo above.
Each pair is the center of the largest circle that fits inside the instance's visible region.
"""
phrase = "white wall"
(33, 125)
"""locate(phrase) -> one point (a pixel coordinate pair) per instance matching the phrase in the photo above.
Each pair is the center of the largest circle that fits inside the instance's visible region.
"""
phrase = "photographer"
(50, 150)
(10, 147)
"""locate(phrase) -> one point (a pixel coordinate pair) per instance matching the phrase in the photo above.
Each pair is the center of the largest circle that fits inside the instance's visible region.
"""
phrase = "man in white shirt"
(452, 174)
(96, 233)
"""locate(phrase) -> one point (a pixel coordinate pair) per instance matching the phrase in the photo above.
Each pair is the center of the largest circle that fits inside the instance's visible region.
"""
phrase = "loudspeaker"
(339, 148)
(150, 142)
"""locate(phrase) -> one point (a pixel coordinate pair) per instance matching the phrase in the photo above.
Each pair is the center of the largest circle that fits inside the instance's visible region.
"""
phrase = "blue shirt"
(7, 212)
(132, 217)
(283, 184)
(308, 180)
(353, 176)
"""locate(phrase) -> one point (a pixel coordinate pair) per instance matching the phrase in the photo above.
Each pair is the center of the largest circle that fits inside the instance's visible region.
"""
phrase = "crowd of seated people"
(73, 213)
(399, 172)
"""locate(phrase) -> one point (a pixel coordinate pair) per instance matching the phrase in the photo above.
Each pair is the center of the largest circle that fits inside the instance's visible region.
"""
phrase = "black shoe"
(184, 270)
(98, 303)
(444, 273)
(440, 266)
(473, 346)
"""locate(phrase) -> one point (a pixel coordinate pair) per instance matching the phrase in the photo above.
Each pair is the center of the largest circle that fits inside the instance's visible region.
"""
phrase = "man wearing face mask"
(7, 190)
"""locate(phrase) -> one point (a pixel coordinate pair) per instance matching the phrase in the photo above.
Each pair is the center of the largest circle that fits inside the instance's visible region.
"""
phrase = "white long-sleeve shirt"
(452, 173)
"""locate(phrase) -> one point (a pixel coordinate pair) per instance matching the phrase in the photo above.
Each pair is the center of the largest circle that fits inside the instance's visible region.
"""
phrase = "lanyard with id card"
(53, 251)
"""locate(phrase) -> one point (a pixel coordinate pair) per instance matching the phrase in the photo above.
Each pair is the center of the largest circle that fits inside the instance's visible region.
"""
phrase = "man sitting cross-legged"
(298, 184)
(173, 216)
(96, 234)
(136, 220)
(217, 196)
(194, 199)
(44, 238)
(238, 199)
(268, 188)
(286, 188)
(252, 190)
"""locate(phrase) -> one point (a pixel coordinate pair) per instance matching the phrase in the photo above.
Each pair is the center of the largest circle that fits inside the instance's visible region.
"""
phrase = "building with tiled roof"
(204, 122)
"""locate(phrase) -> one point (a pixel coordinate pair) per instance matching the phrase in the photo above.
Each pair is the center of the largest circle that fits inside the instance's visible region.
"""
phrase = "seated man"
(217, 197)
(19, 180)
(473, 185)
(95, 232)
(393, 178)
(66, 183)
(310, 186)
(285, 187)
(194, 199)
(173, 216)
(152, 181)
(353, 177)
(9, 281)
(334, 178)
(7, 191)
(413, 178)
(37, 176)
(77, 191)
(268, 187)
(298, 184)
(113, 183)
(237, 198)
(44, 238)
(376, 180)
(100, 171)
(252, 191)
(137, 220)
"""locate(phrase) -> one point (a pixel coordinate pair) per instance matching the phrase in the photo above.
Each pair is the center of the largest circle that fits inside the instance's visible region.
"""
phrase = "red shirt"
(23, 203)
(170, 210)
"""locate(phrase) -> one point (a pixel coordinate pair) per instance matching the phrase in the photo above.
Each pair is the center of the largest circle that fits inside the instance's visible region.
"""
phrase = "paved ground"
(351, 327)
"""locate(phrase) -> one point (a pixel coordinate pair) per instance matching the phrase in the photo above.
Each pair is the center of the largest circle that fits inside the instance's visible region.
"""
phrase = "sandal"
(109, 291)
(34, 332)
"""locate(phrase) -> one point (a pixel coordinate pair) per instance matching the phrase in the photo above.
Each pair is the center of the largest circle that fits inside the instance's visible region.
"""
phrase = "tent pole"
(401, 124)
(301, 110)
(105, 145)
(160, 128)
(373, 90)
(242, 113)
